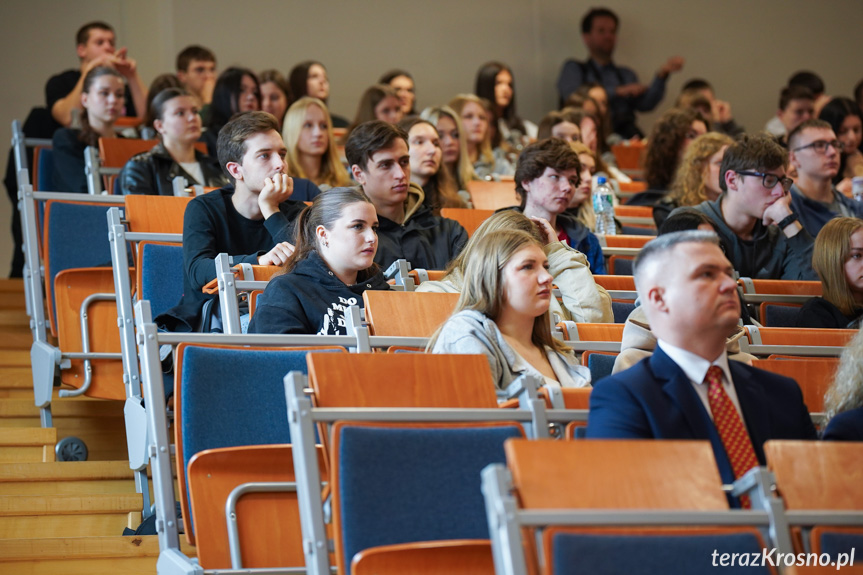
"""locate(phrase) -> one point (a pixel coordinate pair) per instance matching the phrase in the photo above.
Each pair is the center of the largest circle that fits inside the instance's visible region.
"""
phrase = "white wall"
(746, 48)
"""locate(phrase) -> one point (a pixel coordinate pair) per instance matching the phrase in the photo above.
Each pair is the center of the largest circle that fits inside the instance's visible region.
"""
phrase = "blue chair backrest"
(621, 310)
(623, 267)
(835, 543)
(235, 397)
(77, 238)
(576, 554)
(161, 276)
(600, 365)
(780, 315)
(399, 485)
(45, 169)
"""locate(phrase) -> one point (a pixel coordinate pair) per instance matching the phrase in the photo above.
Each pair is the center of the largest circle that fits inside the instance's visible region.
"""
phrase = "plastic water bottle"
(603, 205)
(857, 188)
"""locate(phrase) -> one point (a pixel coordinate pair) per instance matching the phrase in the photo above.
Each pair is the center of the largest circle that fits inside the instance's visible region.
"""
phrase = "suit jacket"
(655, 400)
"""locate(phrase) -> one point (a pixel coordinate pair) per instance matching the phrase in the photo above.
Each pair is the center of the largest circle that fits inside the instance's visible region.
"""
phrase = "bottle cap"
(600, 180)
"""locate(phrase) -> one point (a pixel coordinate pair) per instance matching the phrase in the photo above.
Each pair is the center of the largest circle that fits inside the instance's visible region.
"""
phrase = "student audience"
(332, 265)
(753, 216)
(377, 153)
(403, 83)
(378, 102)
(502, 313)
(427, 169)
(581, 205)
(102, 100)
(453, 144)
(625, 93)
(96, 47)
(670, 137)
(838, 260)
(495, 83)
(583, 300)
(546, 179)
(846, 119)
(237, 90)
(176, 120)
(488, 163)
(159, 84)
(312, 150)
(688, 388)
(814, 153)
(196, 70)
(252, 221)
(843, 402)
(275, 94)
(309, 78)
(697, 177)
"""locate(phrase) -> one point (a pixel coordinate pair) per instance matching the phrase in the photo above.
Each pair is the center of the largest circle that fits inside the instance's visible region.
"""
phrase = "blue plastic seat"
(161, 276)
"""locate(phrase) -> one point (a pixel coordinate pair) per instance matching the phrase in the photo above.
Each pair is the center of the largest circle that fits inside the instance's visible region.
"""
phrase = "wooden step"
(16, 357)
(16, 338)
(16, 382)
(99, 423)
(135, 555)
(14, 318)
(27, 444)
(66, 478)
(41, 516)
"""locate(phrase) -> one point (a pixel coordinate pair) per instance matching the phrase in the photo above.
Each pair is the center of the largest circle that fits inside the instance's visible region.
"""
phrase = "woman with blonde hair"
(312, 152)
(453, 143)
(697, 177)
(488, 163)
(838, 260)
(583, 300)
(843, 402)
(502, 313)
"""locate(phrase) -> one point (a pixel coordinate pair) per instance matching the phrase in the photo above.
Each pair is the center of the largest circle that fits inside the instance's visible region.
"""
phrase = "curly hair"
(846, 391)
(663, 150)
(689, 188)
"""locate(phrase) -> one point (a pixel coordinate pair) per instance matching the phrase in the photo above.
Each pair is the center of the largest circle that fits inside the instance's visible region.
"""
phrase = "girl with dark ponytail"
(332, 265)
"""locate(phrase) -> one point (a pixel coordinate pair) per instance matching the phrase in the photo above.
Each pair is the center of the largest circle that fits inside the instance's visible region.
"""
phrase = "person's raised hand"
(546, 229)
(275, 191)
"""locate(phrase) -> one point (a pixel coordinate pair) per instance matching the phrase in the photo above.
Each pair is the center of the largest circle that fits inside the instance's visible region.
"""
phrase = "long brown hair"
(483, 286)
(325, 210)
(440, 190)
(88, 135)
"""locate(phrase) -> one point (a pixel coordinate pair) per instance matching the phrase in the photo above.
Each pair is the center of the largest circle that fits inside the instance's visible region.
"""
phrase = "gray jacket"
(471, 332)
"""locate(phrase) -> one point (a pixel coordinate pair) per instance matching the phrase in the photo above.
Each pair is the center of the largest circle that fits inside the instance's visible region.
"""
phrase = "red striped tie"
(732, 432)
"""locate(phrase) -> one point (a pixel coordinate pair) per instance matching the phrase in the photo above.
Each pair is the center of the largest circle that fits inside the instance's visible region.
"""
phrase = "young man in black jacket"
(251, 221)
(377, 153)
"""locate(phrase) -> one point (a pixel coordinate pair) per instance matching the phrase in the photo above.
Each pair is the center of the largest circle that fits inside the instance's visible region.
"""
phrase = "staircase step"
(38, 516)
(27, 444)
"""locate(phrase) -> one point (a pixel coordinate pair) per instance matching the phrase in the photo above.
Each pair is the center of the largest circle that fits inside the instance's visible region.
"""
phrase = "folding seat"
(487, 195)
(470, 219)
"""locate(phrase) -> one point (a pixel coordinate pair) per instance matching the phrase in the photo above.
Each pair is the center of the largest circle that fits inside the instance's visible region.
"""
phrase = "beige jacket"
(639, 342)
(583, 300)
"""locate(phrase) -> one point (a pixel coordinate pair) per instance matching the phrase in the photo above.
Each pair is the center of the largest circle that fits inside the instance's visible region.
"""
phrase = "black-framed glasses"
(820, 146)
(769, 181)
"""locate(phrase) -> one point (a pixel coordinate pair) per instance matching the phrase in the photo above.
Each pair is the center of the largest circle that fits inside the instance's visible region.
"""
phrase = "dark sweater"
(818, 312)
(310, 300)
(211, 226)
(770, 254)
(68, 157)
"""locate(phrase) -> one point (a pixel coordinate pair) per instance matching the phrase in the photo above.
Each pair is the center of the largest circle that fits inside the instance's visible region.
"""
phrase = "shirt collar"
(695, 367)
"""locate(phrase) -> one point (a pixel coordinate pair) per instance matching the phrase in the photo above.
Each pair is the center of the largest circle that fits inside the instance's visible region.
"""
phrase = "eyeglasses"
(820, 146)
(769, 181)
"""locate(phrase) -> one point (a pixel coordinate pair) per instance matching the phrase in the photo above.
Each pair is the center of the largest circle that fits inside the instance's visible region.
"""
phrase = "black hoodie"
(310, 299)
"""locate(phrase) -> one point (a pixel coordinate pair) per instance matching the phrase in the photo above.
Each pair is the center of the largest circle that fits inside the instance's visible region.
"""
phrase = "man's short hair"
(369, 138)
(552, 153)
(664, 243)
(587, 21)
(759, 152)
(808, 79)
(83, 34)
(233, 136)
(797, 132)
(194, 52)
(696, 85)
(794, 92)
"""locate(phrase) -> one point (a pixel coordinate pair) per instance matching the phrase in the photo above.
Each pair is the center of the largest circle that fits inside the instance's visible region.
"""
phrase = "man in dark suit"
(689, 389)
